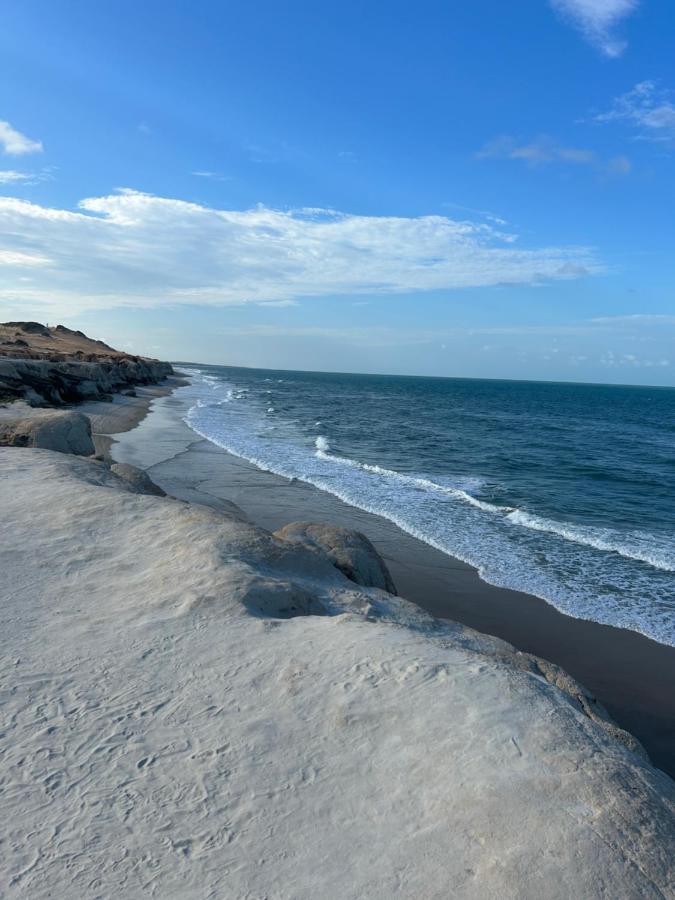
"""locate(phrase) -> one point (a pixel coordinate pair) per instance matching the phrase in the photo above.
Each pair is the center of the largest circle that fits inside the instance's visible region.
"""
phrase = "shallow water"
(561, 490)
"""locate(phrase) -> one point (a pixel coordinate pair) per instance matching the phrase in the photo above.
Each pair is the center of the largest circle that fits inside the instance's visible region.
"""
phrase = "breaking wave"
(613, 576)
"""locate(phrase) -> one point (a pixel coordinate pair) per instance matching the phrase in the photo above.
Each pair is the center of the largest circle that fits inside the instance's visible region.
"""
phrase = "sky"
(478, 189)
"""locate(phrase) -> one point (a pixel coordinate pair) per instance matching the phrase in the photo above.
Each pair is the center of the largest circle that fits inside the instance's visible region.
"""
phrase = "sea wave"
(416, 481)
(630, 545)
(618, 578)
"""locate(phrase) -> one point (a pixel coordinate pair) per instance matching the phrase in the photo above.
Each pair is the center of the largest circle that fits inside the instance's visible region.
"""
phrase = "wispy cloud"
(11, 176)
(611, 360)
(545, 337)
(16, 144)
(648, 319)
(483, 213)
(135, 249)
(214, 176)
(16, 259)
(598, 20)
(646, 106)
(545, 150)
(541, 150)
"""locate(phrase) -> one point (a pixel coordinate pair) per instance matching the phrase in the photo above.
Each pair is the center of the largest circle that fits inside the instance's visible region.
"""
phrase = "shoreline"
(630, 674)
(124, 412)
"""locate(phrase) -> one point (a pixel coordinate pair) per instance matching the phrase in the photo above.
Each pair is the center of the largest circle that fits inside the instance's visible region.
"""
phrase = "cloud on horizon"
(132, 249)
(597, 20)
(570, 348)
(13, 143)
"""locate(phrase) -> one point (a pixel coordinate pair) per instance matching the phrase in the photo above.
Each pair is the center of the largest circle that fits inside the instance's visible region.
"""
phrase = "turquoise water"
(565, 491)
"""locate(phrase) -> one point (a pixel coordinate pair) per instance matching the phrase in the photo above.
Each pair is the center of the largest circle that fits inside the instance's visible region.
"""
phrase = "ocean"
(565, 491)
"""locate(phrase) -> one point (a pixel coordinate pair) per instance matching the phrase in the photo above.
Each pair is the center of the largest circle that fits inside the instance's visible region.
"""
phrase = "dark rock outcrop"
(349, 551)
(52, 366)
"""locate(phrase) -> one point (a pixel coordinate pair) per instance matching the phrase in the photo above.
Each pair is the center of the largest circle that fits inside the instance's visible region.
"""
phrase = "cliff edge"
(53, 365)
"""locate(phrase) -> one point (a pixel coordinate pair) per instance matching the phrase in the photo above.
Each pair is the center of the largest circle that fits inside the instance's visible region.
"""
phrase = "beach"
(631, 675)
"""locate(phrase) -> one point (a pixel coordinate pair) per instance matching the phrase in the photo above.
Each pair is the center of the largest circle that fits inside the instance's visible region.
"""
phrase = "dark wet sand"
(633, 676)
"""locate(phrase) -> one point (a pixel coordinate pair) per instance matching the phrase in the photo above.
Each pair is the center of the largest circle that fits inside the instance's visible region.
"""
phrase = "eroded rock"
(137, 479)
(48, 429)
(349, 551)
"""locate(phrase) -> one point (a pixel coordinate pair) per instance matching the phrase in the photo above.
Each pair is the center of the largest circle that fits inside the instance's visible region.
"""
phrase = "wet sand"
(633, 676)
(123, 412)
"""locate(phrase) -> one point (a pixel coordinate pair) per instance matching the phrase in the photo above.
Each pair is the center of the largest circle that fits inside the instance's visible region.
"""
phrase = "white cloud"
(483, 213)
(597, 20)
(646, 106)
(16, 144)
(544, 150)
(134, 249)
(16, 259)
(11, 176)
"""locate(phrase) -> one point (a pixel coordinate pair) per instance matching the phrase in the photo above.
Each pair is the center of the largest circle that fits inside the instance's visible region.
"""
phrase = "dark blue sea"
(566, 491)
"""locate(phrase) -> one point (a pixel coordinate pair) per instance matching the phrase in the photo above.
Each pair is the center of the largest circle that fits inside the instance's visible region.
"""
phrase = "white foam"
(419, 482)
(509, 547)
(630, 545)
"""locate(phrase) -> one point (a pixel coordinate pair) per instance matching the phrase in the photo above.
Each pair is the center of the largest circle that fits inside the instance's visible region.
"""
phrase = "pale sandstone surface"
(173, 726)
(48, 429)
(137, 479)
(350, 551)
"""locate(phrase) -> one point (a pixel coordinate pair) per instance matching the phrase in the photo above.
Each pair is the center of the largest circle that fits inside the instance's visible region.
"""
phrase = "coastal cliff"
(52, 366)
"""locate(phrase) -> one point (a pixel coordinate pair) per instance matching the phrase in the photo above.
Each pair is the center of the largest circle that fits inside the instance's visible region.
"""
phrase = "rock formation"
(51, 366)
(136, 478)
(350, 551)
(48, 429)
(178, 724)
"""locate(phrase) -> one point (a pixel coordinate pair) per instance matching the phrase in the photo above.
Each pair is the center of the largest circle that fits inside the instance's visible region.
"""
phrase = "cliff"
(50, 366)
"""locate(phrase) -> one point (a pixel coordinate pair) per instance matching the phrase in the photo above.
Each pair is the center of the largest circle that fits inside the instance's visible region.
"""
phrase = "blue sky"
(478, 189)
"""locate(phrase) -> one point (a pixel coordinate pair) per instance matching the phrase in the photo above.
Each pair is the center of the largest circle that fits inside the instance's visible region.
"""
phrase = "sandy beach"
(631, 675)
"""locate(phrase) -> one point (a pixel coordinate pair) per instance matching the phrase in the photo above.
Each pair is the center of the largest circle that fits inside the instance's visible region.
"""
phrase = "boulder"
(136, 478)
(49, 429)
(349, 551)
